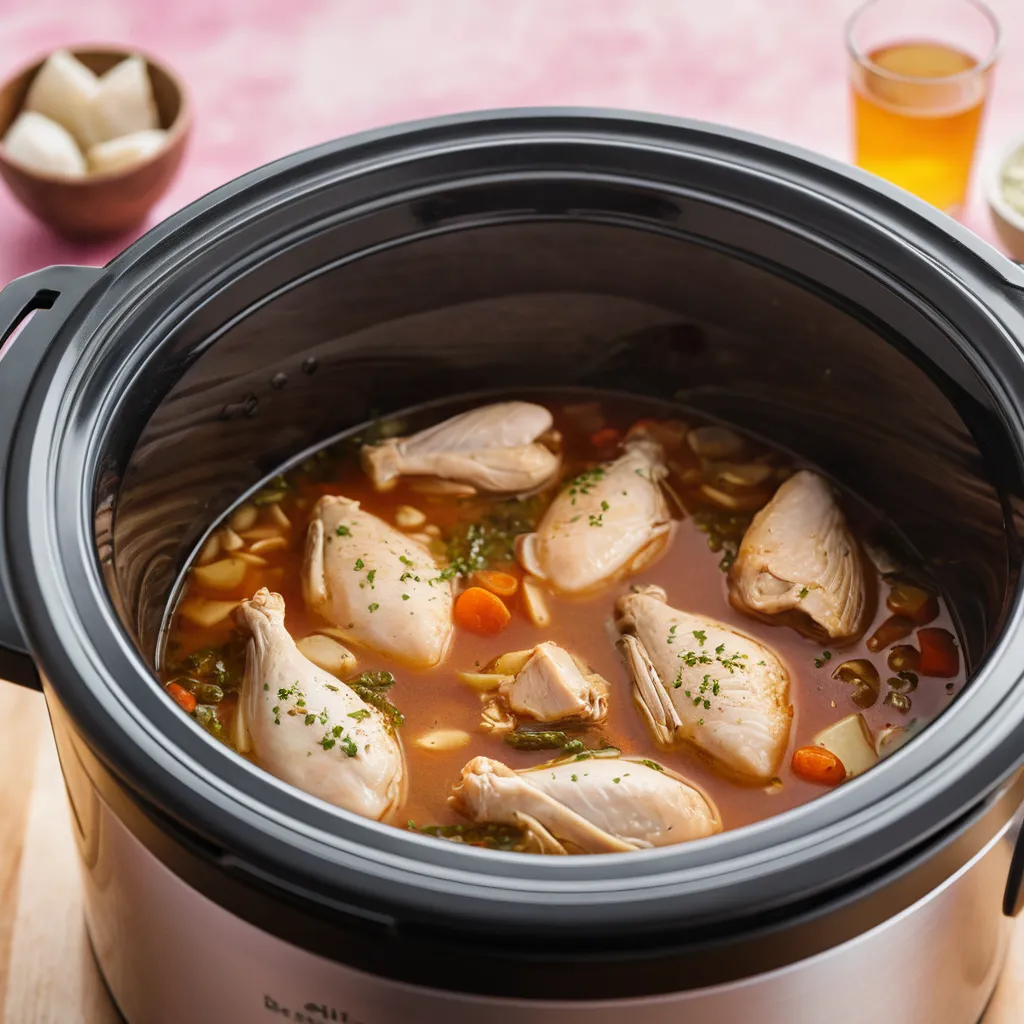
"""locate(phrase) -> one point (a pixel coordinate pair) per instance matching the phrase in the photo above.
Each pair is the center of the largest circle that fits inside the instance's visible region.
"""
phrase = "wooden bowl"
(99, 204)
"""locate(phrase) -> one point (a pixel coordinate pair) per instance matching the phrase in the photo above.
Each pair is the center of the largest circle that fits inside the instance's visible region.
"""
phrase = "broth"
(207, 659)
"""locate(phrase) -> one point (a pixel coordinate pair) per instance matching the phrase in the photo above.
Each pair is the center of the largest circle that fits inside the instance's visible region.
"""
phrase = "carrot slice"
(816, 764)
(479, 611)
(181, 697)
(939, 655)
(504, 584)
(606, 438)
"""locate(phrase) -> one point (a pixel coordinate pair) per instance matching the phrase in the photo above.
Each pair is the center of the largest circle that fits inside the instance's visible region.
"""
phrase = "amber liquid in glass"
(919, 130)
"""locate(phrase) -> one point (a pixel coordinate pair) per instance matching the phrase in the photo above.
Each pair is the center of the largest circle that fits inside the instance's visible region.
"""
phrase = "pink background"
(268, 77)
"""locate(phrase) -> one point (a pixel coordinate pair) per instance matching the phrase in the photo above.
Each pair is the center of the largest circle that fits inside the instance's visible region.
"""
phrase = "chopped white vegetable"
(43, 145)
(63, 90)
(126, 151)
(443, 739)
(123, 103)
(851, 741)
(326, 653)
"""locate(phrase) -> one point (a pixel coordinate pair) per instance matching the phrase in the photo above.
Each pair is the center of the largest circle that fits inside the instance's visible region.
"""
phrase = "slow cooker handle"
(58, 290)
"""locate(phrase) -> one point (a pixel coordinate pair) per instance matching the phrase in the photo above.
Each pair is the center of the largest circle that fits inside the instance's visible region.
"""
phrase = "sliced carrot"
(479, 611)
(181, 697)
(606, 438)
(939, 655)
(816, 764)
(504, 584)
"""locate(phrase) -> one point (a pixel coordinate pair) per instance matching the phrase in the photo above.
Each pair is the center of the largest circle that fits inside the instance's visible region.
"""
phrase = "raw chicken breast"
(43, 145)
(698, 681)
(493, 448)
(308, 728)
(63, 90)
(552, 686)
(379, 587)
(123, 103)
(597, 805)
(607, 523)
(798, 556)
(118, 154)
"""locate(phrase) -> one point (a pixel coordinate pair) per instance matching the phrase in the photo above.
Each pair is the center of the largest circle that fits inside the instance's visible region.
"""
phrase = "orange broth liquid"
(689, 571)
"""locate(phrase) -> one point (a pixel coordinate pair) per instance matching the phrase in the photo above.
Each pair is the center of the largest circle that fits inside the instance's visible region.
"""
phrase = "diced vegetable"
(443, 739)
(913, 603)
(210, 551)
(409, 518)
(716, 443)
(896, 627)
(503, 584)
(608, 437)
(904, 682)
(939, 655)
(898, 701)
(185, 700)
(243, 518)
(743, 474)
(480, 611)
(201, 611)
(535, 603)
(372, 688)
(225, 574)
(442, 488)
(328, 654)
(260, 533)
(230, 541)
(850, 740)
(750, 501)
(891, 738)
(277, 514)
(264, 547)
(863, 677)
(482, 681)
(816, 764)
(511, 664)
(904, 658)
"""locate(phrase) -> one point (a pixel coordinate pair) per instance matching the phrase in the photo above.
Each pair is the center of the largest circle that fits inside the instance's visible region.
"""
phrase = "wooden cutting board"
(47, 974)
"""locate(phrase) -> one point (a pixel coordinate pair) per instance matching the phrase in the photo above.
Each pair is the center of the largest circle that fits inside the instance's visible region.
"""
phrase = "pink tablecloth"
(271, 76)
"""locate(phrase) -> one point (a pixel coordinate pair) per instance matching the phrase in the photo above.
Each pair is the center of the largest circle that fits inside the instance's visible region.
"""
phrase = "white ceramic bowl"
(1007, 221)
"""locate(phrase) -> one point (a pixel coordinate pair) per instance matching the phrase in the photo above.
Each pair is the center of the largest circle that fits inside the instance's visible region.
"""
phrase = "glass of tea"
(919, 73)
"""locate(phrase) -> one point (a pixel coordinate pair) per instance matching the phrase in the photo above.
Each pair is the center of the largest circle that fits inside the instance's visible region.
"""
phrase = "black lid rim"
(82, 651)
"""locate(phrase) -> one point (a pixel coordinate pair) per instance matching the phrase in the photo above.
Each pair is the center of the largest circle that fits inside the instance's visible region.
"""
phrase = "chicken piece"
(598, 805)
(606, 523)
(698, 681)
(308, 728)
(551, 687)
(493, 448)
(798, 556)
(378, 586)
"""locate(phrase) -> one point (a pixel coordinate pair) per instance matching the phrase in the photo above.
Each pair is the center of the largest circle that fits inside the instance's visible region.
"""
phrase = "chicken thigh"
(493, 448)
(379, 587)
(698, 681)
(308, 728)
(595, 805)
(551, 686)
(608, 522)
(798, 556)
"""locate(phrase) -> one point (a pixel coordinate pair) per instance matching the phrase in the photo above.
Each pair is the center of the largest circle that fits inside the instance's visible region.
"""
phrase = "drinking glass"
(919, 75)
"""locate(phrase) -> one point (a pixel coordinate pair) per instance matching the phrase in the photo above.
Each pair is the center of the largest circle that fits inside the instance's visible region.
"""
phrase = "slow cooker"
(706, 267)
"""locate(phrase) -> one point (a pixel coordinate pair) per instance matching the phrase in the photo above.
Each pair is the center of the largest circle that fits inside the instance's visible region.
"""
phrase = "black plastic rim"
(253, 825)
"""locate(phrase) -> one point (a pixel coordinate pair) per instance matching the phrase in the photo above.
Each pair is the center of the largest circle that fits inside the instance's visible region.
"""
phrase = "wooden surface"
(47, 974)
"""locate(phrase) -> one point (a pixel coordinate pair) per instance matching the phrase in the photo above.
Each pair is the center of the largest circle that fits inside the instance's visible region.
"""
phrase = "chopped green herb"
(359, 565)
(370, 578)
(616, 780)
(371, 688)
(596, 520)
(490, 836)
(803, 593)
(700, 635)
(343, 531)
(651, 764)
(405, 597)
(373, 607)
(359, 714)
(349, 746)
